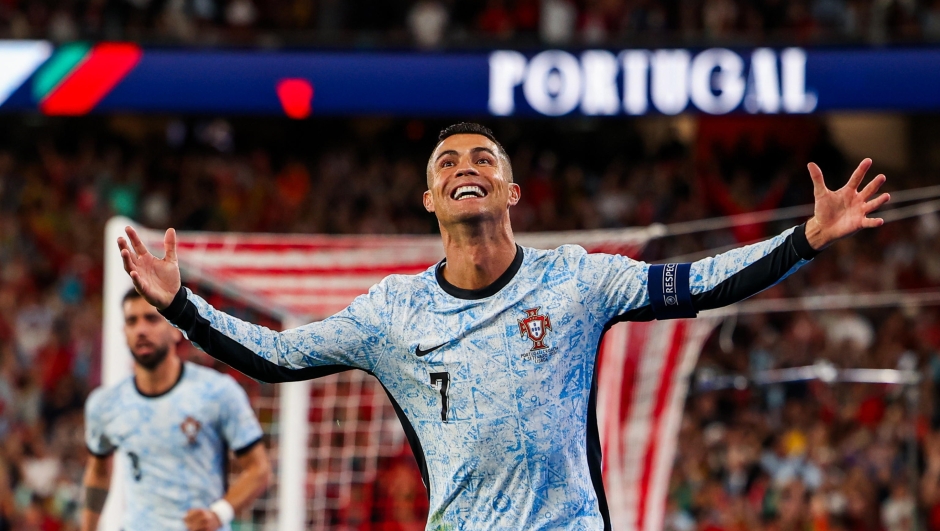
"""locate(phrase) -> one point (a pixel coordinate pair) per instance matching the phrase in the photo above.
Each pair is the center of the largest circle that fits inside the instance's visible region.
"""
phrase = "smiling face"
(469, 181)
(149, 336)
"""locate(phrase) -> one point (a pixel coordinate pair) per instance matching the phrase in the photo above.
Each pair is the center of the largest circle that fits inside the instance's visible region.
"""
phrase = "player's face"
(468, 180)
(149, 335)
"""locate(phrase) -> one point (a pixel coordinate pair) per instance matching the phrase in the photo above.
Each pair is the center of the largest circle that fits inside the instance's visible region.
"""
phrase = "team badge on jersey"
(190, 428)
(535, 326)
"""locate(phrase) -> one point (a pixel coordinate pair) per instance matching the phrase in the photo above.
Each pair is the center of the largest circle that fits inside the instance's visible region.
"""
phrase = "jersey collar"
(172, 387)
(482, 293)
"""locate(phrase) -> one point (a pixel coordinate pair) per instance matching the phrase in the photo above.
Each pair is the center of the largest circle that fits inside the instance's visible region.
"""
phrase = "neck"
(161, 378)
(477, 254)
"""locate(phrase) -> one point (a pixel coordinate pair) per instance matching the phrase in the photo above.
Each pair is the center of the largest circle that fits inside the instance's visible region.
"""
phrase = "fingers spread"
(877, 203)
(859, 174)
(819, 184)
(872, 187)
(136, 242)
(870, 223)
(129, 264)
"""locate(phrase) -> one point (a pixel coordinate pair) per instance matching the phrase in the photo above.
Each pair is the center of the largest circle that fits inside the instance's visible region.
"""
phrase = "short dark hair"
(471, 128)
(131, 295)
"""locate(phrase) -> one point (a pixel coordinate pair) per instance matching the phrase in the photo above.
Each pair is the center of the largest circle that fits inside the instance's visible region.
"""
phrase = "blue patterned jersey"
(176, 443)
(495, 387)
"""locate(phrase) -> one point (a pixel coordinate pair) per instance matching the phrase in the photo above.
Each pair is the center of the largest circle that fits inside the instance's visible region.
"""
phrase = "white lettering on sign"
(714, 81)
(600, 83)
(636, 67)
(795, 97)
(764, 84)
(507, 69)
(669, 83)
(552, 83)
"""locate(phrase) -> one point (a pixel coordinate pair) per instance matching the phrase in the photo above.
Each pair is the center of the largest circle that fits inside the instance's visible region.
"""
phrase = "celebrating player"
(489, 356)
(175, 422)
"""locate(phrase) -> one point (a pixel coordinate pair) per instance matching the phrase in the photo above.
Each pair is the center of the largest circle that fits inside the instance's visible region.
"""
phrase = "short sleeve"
(240, 427)
(96, 439)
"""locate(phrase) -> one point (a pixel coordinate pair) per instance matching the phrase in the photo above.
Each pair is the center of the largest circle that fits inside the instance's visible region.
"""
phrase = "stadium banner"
(79, 78)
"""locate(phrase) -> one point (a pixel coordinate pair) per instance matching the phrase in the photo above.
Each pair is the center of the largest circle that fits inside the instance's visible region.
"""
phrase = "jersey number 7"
(441, 380)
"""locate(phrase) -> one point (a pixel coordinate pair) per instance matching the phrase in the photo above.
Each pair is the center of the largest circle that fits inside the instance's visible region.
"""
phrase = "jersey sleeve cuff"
(175, 309)
(801, 245)
(99, 454)
(247, 448)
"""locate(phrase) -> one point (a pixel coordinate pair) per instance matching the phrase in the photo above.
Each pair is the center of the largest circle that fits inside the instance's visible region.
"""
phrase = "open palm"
(156, 279)
(840, 213)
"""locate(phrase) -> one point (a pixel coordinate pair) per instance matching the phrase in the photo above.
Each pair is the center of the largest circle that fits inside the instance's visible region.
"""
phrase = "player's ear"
(428, 201)
(515, 193)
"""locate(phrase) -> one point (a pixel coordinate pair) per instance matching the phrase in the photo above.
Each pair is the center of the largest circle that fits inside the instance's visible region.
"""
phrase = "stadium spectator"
(551, 22)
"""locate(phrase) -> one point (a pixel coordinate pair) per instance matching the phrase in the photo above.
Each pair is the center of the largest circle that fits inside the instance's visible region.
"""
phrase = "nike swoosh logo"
(419, 352)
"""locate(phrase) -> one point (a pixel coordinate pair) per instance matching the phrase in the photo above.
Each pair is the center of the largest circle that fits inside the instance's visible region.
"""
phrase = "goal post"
(115, 356)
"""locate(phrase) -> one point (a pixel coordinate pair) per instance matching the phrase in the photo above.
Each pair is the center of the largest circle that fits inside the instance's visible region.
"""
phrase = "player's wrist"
(223, 510)
(815, 235)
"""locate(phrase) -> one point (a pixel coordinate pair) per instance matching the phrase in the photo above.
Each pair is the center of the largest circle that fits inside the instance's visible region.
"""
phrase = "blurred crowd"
(467, 23)
(809, 456)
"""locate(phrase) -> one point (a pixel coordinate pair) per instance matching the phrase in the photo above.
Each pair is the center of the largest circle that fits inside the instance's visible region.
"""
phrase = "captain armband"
(669, 291)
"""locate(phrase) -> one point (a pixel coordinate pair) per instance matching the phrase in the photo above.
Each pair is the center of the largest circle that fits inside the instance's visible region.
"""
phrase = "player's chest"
(164, 424)
(528, 332)
(490, 360)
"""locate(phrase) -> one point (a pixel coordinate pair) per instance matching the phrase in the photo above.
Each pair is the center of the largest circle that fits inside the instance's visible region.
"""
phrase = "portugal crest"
(535, 326)
(190, 428)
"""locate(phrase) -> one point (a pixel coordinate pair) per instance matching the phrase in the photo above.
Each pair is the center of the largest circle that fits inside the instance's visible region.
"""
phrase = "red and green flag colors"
(80, 75)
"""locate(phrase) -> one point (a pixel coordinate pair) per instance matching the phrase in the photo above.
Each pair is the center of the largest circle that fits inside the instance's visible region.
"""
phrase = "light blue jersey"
(495, 387)
(176, 443)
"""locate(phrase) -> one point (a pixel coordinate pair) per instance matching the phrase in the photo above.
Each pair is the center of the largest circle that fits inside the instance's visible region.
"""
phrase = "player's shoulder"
(207, 376)
(396, 287)
(562, 252)
(567, 256)
(106, 397)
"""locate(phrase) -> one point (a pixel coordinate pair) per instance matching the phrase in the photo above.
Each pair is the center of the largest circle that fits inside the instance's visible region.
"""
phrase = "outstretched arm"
(738, 274)
(346, 340)
(637, 291)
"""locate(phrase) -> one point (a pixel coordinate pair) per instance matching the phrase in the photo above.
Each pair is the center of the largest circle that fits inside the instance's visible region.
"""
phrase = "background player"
(176, 422)
(490, 355)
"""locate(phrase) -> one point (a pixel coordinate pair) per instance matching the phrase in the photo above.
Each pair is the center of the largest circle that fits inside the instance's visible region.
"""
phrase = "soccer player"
(489, 356)
(176, 422)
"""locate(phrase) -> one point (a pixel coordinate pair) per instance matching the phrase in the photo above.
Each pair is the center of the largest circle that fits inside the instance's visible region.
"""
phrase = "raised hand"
(843, 212)
(156, 279)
